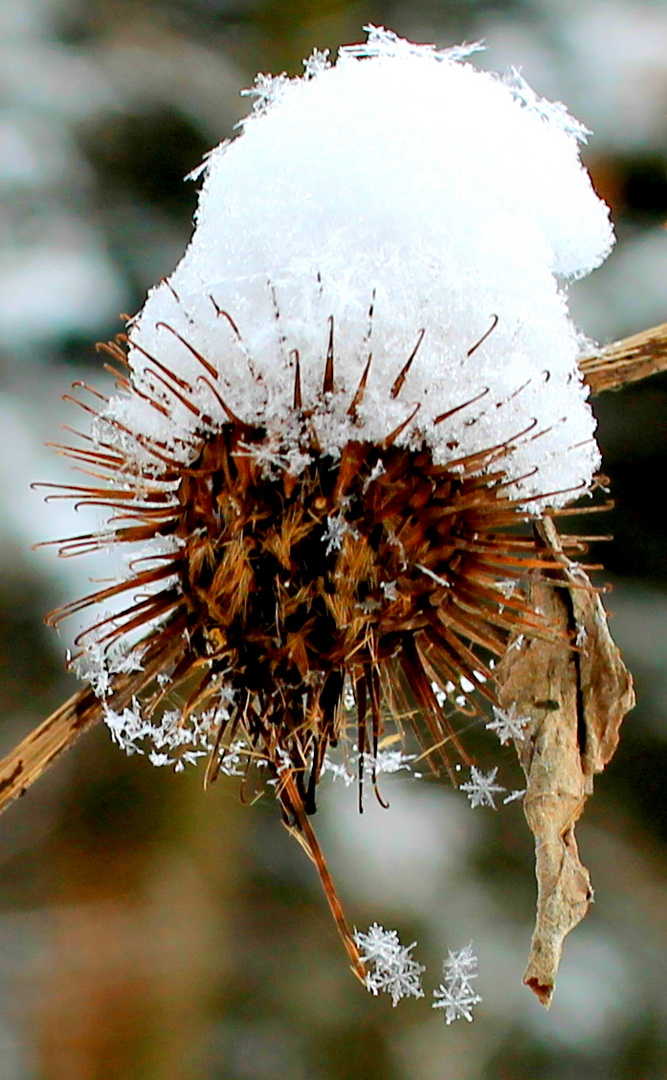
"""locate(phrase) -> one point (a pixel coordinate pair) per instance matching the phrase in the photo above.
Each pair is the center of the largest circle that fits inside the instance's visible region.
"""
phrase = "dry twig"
(42, 747)
(626, 361)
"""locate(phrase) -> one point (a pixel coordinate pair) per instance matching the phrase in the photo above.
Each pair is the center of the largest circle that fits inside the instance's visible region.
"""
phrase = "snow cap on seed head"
(399, 190)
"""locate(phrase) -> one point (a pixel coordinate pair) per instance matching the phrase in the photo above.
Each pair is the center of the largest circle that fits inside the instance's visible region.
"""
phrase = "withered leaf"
(575, 690)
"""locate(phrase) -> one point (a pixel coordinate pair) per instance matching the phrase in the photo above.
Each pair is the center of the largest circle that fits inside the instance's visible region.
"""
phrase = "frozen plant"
(333, 422)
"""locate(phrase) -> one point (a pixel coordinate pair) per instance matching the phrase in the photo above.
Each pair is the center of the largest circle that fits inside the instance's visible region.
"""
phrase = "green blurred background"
(150, 930)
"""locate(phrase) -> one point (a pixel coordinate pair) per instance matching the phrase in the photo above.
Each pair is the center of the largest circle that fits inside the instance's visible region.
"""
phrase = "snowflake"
(456, 1002)
(393, 969)
(388, 761)
(455, 995)
(481, 788)
(337, 528)
(232, 758)
(160, 759)
(382, 42)
(170, 740)
(390, 590)
(266, 90)
(553, 112)
(126, 727)
(507, 725)
(96, 665)
(270, 460)
(316, 63)
(461, 965)
(339, 770)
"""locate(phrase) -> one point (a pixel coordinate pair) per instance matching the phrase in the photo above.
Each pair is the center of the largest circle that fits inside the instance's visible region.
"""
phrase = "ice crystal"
(316, 63)
(336, 529)
(554, 113)
(382, 43)
(513, 796)
(385, 761)
(172, 741)
(507, 725)
(97, 665)
(482, 787)
(266, 90)
(455, 996)
(392, 969)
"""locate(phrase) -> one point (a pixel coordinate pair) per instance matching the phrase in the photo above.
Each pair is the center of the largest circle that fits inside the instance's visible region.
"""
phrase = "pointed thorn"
(450, 412)
(401, 427)
(197, 355)
(494, 322)
(328, 384)
(225, 315)
(359, 396)
(398, 385)
(216, 394)
(297, 379)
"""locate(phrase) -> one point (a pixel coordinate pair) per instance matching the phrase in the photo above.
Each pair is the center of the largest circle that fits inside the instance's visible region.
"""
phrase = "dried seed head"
(378, 568)
(325, 441)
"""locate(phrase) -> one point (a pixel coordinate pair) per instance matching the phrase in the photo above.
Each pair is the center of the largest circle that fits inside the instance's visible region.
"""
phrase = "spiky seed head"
(335, 419)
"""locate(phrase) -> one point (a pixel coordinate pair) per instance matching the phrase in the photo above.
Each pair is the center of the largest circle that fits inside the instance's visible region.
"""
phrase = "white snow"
(405, 181)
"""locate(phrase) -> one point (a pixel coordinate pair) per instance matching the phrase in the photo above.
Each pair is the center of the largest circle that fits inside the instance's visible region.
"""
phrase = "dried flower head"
(333, 420)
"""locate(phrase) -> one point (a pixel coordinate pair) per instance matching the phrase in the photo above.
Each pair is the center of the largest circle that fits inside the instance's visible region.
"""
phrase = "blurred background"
(151, 930)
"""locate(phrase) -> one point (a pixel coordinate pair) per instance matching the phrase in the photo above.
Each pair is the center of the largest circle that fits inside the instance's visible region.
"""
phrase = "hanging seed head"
(336, 415)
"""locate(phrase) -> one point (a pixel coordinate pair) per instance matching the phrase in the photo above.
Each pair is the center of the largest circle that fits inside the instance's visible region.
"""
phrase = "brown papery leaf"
(575, 691)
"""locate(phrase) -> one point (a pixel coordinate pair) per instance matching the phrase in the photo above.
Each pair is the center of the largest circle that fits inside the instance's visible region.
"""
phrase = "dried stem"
(26, 762)
(626, 361)
(304, 833)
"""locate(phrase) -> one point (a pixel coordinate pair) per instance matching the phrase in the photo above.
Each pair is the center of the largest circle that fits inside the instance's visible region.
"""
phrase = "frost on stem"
(392, 968)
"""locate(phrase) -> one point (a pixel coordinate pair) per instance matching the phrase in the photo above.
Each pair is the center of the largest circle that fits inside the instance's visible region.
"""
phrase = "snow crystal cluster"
(386, 761)
(391, 967)
(456, 995)
(397, 191)
(172, 741)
